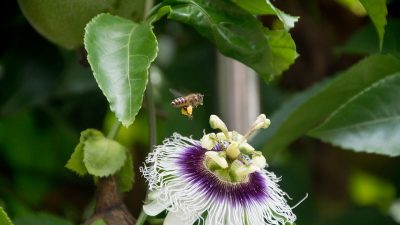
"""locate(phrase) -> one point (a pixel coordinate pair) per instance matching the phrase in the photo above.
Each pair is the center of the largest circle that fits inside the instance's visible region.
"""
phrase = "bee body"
(187, 103)
(179, 102)
(194, 100)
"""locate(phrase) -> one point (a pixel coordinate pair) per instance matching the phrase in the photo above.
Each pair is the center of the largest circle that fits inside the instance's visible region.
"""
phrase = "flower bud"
(217, 123)
(221, 137)
(217, 158)
(208, 141)
(240, 172)
(233, 150)
(259, 161)
(246, 148)
(235, 136)
(261, 122)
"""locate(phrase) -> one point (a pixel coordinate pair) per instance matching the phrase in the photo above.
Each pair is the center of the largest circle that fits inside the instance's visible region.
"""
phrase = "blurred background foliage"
(48, 95)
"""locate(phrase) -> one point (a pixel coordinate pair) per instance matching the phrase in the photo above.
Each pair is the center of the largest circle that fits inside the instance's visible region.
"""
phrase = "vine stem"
(151, 113)
(141, 219)
(148, 5)
(152, 132)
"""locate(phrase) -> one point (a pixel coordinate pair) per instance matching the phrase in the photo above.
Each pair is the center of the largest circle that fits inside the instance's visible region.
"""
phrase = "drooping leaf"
(75, 163)
(236, 33)
(307, 110)
(41, 219)
(368, 122)
(102, 156)
(125, 176)
(366, 40)
(265, 7)
(4, 219)
(120, 53)
(63, 22)
(377, 11)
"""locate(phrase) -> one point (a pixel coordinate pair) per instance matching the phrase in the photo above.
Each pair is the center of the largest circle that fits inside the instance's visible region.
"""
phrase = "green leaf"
(237, 34)
(283, 48)
(4, 219)
(102, 156)
(366, 40)
(120, 53)
(63, 22)
(368, 122)
(265, 7)
(75, 163)
(305, 111)
(377, 11)
(41, 219)
(99, 222)
(125, 176)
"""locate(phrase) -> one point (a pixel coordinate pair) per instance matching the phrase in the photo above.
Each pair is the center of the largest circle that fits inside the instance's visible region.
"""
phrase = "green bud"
(217, 158)
(233, 150)
(208, 141)
(217, 123)
(261, 122)
(246, 148)
(259, 161)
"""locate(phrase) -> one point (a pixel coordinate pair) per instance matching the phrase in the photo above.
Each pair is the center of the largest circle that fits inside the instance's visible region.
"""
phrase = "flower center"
(224, 174)
(220, 183)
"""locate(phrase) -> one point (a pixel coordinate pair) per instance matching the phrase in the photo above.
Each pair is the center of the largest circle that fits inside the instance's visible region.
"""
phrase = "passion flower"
(219, 180)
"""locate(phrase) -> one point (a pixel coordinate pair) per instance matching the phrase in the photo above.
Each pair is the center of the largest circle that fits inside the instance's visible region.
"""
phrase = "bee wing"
(176, 93)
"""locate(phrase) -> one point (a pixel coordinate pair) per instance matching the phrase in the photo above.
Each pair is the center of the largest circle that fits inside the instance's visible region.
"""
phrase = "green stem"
(151, 114)
(148, 6)
(141, 219)
(114, 130)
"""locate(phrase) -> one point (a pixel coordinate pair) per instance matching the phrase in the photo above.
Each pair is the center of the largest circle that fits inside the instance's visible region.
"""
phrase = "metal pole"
(238, 94)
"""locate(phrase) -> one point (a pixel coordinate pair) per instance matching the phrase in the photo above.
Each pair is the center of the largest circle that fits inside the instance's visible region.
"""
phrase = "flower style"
(216, 181)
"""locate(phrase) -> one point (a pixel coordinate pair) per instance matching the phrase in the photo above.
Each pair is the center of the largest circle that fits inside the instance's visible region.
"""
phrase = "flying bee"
(187, 103)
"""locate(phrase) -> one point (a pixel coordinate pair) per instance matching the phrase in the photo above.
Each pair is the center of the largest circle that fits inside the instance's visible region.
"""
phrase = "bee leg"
(187, 111)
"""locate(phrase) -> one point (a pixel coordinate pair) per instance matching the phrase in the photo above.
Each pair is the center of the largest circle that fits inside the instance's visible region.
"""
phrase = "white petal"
(154, 208)
(175, 218)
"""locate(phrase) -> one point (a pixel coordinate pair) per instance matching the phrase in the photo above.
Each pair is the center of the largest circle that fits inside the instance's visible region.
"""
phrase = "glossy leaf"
(265, 7)
(368, 122)
(103, 157)
(63, 22)
(4, 219)
(306, 110)
(237, 34)
(377, 11)
(125, 176)
(366, 41)
(75, 163)
(120, 53)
